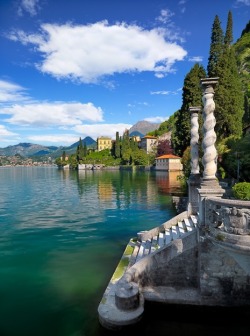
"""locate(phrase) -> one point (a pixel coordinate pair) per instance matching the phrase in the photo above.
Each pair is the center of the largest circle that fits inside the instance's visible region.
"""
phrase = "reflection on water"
(62, 234)
(168, 182)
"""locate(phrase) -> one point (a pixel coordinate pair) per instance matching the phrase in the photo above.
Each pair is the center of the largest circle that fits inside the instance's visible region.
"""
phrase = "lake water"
(62, 234)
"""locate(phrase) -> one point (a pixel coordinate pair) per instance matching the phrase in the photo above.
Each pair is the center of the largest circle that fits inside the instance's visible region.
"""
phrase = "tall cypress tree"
(85, 150)
(228, 94)
(117, 146)
(241, 48)
(191, 96)
(229, 99)
(228, 40)
(216, 48)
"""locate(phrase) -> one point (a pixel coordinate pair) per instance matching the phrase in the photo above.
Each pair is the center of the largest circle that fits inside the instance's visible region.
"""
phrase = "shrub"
(242, 191)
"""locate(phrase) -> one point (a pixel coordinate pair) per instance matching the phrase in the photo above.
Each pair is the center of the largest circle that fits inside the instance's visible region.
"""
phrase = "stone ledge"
(172, 295)
(111, 317)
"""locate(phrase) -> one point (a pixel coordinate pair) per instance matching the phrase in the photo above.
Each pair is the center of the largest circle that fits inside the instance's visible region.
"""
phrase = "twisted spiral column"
(194, 142)
(209, 159)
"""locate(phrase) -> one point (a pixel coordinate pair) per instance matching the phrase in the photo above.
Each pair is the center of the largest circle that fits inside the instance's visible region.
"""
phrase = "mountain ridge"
(27, 149)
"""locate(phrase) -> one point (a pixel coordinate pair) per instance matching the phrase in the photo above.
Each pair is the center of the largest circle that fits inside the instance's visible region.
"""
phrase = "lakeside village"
(18, 160)
(148, 151)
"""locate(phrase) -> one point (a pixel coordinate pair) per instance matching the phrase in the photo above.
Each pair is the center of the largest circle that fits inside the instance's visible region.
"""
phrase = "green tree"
(125, 144)
(228, 40)
(191, 96)
(127, 156)
(117, 146)
(140, 157)
(85, 150)
(216, 48)
(229, 98)
(80, 153)
(242, 51)
(237, 157)
(63, 156)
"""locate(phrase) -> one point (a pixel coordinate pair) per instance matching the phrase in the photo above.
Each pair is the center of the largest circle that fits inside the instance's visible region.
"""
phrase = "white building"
(168, 162)
(148, 143)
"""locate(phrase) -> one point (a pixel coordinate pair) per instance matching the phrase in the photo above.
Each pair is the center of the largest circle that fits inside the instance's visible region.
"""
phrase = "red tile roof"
(149, 137)
(168, 156)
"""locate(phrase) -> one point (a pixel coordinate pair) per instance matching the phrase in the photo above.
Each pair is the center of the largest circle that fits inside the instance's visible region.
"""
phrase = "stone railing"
(227, 223)
(145, 235)
(231, 216)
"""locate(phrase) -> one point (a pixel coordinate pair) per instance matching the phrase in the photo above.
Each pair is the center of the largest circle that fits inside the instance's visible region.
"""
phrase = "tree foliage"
(165, 127)
(242, 50)
(228, 94)
(117, 146)
(216, 48)
(191, 96)
(164, 147)
(237, 154)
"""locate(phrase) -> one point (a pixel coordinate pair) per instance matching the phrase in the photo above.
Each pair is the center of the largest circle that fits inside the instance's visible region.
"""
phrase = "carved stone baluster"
(209, 185)
(194, 178)
(195, 169)
(209, 159)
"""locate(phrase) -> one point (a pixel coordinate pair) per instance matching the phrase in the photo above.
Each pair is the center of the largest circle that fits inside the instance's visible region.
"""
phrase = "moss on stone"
(129, 250)
(120, 269)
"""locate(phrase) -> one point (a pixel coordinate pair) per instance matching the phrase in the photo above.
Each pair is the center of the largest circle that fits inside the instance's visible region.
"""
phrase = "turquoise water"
(62, 234)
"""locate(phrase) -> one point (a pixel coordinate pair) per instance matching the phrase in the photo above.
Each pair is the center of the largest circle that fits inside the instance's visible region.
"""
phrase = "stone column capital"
(205, 82)
(208, 84)
(194, 109)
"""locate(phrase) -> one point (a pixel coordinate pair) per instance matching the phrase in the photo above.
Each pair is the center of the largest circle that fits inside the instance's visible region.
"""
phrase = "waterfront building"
(168, 162)
(104, 143)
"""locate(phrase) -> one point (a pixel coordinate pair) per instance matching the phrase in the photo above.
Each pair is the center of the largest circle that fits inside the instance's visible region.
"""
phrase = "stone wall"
(175, 265)
(222, 280)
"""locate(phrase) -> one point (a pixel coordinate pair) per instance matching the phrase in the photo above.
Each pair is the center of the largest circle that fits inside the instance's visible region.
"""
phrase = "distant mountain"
(27, 150)
(88, 140)
(143, 127)
(90, 143)
(136, 133)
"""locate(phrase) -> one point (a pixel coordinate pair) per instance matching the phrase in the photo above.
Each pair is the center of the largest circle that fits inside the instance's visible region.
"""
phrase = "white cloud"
(166, 93)
(87, 53)
(10, 92)
(52, 114)
(62, 139)
(244, 2)
(156, 119)
(4, 132)
(182, 6)
(29, 6)
(97, 130)
(196, 59)
(165, 16)
(160, 92)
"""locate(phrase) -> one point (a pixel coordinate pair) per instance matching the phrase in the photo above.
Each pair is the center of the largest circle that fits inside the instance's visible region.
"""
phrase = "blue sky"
(71, 69)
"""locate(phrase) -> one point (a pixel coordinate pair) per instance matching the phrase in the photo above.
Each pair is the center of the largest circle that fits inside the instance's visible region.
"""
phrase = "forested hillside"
(242, 50)
(231, 63)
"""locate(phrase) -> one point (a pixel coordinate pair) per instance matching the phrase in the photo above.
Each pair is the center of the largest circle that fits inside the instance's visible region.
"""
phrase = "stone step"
(161, 238)
(182, 228)
(189, 224)
(194, 219)
(168, 236)
(177, 231)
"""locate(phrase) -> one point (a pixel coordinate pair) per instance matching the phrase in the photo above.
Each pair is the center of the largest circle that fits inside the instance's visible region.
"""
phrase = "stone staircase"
(177, 231)
(148, 242)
